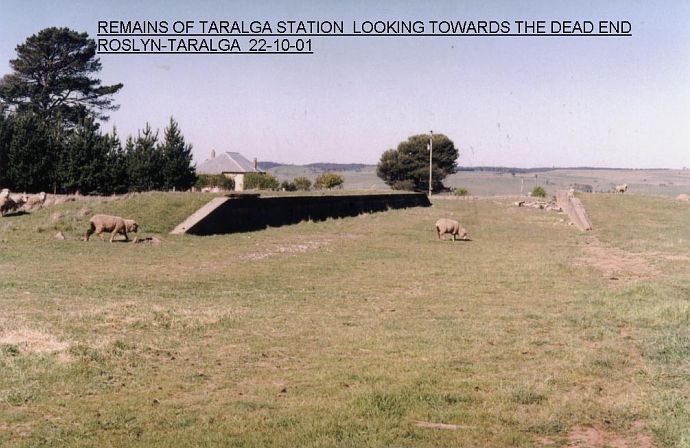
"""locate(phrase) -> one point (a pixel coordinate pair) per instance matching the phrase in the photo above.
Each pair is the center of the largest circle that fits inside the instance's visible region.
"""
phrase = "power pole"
(431, 156)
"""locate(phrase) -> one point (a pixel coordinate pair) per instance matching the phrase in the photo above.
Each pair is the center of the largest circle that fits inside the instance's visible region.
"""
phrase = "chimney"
(213, 153)
(256, 165)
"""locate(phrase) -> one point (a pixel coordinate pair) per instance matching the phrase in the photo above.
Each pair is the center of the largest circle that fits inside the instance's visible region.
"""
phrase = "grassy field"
(357, 332)
(649, 182)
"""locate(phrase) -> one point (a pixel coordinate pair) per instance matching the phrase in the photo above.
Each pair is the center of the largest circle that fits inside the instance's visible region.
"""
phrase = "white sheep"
(36, 200)
(621, 188)
(108, 223)
(445, 225)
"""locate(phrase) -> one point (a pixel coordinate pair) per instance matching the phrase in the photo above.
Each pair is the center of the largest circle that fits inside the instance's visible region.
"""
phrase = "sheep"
(621, 188)
(36, 200)
(445, 225)
(108, 223)
(6, 204)
(9, 205)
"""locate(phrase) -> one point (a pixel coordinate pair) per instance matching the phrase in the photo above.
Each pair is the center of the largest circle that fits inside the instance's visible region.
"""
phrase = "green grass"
(344, 332)
(668, 183)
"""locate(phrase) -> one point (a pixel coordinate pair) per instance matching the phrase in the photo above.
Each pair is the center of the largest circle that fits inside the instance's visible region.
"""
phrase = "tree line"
(50, 136)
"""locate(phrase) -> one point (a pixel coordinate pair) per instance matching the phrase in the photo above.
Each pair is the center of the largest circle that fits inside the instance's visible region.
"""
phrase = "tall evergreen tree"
(145, 162)
(83, 165)
(31, 155)
(5, 139)
(118, 179)
(178, 171)
(53, 76)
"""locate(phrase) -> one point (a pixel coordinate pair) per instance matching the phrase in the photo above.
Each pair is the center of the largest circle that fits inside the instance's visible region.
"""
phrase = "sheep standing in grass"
(621, 188)
(6, 204)
(108, 223)
(9, 204)
(35, 201)
(445, 225)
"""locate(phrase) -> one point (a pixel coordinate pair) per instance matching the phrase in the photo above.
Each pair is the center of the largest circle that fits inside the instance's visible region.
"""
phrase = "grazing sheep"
(6, 204)
(445, 225)
(36, 200)
(108, 223)
(9, 205)
(131, 225)
(621, 188)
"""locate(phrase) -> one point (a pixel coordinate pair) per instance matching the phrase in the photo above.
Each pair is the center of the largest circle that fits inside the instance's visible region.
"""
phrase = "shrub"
(406, 184)
(538, 192)
(288, 186)
(260, 181)
(302, 183)
(214, 180)
(461, 191)
(329, 181)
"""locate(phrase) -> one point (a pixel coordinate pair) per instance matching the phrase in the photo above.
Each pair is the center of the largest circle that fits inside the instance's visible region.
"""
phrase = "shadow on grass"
(16, 214)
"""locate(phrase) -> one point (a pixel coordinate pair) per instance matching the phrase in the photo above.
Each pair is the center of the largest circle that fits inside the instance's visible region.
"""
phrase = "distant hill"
(360, 167)
(324, 166)
(507, 169)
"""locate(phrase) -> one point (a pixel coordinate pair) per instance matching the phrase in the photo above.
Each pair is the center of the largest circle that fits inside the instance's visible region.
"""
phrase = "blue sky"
(518, 101)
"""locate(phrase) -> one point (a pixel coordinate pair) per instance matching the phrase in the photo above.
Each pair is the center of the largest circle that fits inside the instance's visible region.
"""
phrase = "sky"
(509, 101)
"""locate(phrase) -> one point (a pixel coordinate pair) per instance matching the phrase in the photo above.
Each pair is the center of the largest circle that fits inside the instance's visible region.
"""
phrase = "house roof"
(227, 162)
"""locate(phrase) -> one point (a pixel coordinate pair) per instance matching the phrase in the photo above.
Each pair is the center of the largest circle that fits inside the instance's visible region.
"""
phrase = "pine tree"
(118, 180)
(31, 156)
(178, 171)
(53, 76)
(83, 165)
(5, 139)
(145, 161)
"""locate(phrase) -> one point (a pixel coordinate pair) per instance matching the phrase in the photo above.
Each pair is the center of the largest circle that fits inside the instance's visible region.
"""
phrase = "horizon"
(504, 101)
(507, 167)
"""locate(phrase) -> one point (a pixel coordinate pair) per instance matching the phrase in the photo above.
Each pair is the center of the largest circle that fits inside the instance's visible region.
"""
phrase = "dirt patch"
(35, 342)
(286, 248)
(431, 425)
(615, 263)
(581, 436)
(18, 429)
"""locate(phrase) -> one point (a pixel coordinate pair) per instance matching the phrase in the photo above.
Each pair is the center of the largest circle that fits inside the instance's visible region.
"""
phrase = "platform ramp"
(575, 210)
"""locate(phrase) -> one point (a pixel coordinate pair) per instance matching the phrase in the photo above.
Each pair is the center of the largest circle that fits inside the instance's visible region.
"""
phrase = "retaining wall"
(251, 212)
(575, 210)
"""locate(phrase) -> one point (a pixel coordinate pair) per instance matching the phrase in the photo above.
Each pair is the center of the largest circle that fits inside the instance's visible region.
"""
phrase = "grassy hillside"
(155, 212)
(356, 332)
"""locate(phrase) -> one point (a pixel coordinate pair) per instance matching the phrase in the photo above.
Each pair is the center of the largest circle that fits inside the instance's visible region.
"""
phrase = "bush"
(407, 184)
(329, 181)
(302, 183)
(260, 181)
(461, 191)
(538, 192)
(288, 186)
(214, 180)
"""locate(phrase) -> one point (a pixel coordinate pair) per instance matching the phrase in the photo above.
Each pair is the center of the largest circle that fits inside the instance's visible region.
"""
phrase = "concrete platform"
(242, 213)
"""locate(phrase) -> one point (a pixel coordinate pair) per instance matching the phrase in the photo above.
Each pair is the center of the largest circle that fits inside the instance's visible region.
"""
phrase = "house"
(230, 164)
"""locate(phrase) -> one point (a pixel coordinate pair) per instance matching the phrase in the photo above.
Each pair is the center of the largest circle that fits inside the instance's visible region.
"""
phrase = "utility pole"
(431, 156)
